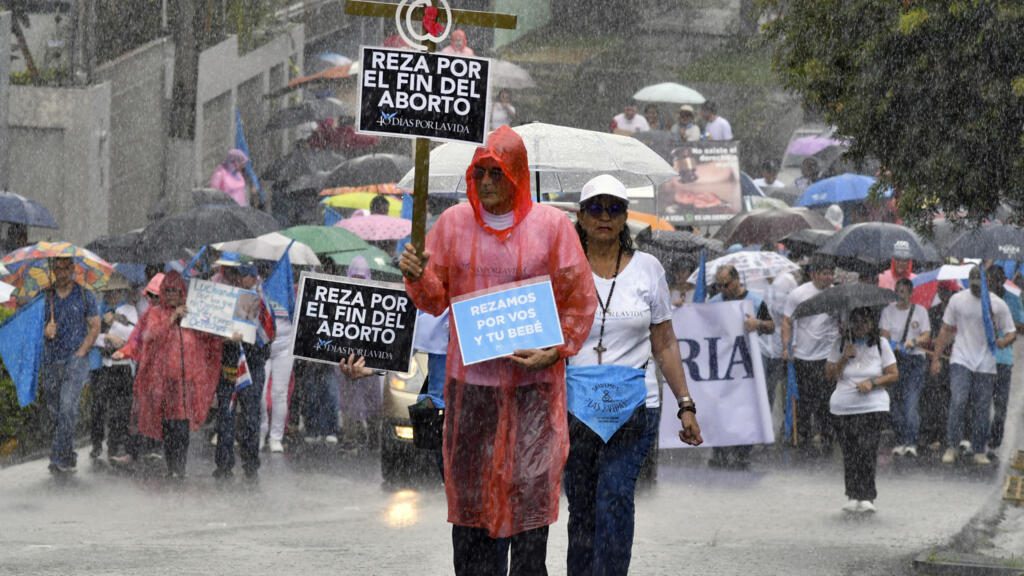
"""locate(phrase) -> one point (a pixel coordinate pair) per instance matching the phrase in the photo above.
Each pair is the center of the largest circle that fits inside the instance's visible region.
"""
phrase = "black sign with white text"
(336, 316)
(417, 94)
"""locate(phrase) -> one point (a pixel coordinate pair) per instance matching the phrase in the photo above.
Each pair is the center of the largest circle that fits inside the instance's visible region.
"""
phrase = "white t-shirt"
(846, 399)
(775, 298)
(119, 329)
(813, 336)
(641, 299)
(760, 183)
(893, 320)
(970, 346)
(718, 129)
(637, 124)
(500, 116)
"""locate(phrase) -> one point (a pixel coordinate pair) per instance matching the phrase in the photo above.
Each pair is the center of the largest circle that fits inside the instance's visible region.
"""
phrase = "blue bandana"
(604, 397)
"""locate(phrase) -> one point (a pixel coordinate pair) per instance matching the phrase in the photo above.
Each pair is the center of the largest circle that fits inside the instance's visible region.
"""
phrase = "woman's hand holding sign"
(534, 358)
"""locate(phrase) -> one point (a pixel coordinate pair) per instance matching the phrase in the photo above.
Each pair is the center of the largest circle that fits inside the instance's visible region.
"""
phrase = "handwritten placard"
(221, 309)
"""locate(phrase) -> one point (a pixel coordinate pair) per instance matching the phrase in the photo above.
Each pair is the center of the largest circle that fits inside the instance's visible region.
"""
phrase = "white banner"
(724, 374)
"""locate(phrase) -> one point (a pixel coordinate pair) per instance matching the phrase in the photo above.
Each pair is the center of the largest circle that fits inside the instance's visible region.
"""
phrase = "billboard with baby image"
(706, 188)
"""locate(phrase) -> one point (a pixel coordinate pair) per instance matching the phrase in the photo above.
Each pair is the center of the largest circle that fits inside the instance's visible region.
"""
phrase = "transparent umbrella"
(669, 92)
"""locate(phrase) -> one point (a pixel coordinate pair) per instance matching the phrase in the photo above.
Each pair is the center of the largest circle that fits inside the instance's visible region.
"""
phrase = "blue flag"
(21, 347)
(792, 395)
(242, 145)
(986, 314)
(187, 272)
(700, 292)
(279, 286)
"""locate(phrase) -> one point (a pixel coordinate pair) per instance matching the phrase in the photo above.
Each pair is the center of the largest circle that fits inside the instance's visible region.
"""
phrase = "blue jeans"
(1000, 399)
(906, 418)
(974, 388)
(62, 383)
(322, 399)
(248, 403)
(600, 481)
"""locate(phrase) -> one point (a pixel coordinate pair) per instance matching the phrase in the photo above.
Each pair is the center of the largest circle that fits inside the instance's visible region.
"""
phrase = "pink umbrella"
(807, 145)
(377, 227)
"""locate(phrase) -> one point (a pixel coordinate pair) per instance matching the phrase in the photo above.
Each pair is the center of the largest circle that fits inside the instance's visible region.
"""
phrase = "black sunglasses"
(613, 209)
(496, 174)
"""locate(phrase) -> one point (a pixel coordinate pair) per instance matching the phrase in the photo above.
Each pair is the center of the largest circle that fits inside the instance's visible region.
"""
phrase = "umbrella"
(765, 203)
(789, 194)
(326, 239)
(377, 227)
(6, 291)
(677, 242)
(842, 188)
(29, 268)
(332, 74)
(568, 157)
(3, 270)
(378, 259)
(926, 284)
(807, 241)
(335, 59)
(753, 267)
(133, 272)
(309, 111)
(768, 226)
(369, 169)
(300, 162)
(669, 92)
(178, 236)
(872, 245)
(992, 241)
(807, 145)
(361, 201)
(271, 247)
(843, 299)
(117, 247)
(17, 209)
(504, 74)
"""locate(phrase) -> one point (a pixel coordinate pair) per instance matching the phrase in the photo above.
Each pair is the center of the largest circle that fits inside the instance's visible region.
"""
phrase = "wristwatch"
(686, 404)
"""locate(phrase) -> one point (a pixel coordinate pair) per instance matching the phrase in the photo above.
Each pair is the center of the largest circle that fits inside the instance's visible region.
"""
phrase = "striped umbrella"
(29, 267)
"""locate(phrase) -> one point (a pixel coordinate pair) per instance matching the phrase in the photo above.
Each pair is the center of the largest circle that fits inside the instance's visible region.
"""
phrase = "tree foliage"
(932, 88)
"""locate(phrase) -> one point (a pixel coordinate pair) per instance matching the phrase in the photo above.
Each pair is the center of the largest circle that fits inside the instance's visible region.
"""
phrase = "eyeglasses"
(613, 209)
(496, 174)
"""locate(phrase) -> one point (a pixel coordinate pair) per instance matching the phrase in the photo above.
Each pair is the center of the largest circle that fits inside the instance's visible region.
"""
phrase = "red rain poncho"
(170, 354)
(506, 435)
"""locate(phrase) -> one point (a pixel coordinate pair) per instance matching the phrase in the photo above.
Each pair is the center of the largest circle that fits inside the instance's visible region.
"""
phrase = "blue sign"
(507, 318)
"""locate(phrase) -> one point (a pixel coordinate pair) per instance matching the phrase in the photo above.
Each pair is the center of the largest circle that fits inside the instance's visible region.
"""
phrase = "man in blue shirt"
(72, 324)
(1004, 358)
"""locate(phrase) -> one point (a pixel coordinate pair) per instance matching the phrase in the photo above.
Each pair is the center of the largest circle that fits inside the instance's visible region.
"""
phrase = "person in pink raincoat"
(506, 433)
(228, 177)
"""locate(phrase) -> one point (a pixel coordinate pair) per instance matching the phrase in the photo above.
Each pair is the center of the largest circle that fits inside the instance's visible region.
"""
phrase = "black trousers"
(812, 412)
(111, 406)
(176, 438)
(477, 554)
(859, 436)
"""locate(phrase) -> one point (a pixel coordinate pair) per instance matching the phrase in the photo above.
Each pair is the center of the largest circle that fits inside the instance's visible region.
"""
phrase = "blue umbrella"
(17, 209)
(837, 189)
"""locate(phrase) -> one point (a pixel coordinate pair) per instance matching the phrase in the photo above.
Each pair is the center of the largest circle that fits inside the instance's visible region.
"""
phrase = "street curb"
(939, 562)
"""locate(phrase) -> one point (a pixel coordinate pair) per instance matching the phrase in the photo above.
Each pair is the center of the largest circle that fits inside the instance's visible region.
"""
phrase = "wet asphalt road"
(326, 512)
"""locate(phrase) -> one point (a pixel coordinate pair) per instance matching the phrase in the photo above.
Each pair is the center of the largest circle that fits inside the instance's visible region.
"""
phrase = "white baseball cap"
(604, 185)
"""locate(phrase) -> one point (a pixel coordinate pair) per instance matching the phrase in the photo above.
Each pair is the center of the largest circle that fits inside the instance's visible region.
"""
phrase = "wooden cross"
(422, 160)
(600, 349)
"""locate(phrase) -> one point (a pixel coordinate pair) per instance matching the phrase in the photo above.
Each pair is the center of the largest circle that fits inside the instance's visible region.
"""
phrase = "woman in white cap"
(612, 389)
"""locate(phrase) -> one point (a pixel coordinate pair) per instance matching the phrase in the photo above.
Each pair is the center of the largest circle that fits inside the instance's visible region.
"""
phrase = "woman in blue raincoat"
(610, 380)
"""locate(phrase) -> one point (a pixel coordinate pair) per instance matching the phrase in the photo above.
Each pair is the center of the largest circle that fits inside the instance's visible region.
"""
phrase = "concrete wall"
(59, 156)
(137, 129)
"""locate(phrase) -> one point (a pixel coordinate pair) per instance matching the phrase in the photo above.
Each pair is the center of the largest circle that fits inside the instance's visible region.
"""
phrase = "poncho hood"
(506, 148)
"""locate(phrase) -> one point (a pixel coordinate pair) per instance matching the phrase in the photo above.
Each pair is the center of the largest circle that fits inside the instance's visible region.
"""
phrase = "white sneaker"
(949, 456)
(276, 446)
(899, 451)
(312, 439)
(331, 439)
(851, 506)
(965, 446)
(981, 459)
(911, 451)
(866, 507)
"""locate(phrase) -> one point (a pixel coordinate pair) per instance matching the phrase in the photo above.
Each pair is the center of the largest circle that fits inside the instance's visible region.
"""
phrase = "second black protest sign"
(336, 317)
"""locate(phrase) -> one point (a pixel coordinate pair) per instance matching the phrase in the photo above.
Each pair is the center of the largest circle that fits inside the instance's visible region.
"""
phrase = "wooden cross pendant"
(600, 349)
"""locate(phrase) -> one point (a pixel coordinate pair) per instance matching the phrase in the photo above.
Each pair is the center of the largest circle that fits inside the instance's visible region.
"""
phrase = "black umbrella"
(300, 162)
(843, 299)
(666, 245)
(789, 194)
(369, 169)
(768, 226)
(870, 246)
(180, 235)
(117, 247)
(17, 209)
(992, 241)
(309, 111)
(807, 241)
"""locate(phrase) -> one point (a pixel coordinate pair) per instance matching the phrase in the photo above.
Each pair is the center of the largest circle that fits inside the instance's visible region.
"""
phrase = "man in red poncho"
(506, 434)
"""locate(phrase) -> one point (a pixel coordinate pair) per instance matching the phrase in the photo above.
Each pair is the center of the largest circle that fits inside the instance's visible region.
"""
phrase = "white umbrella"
(505, 74)
(669, 92)
(5, 291)
(567, 157)
(271, 247)
(753, 267)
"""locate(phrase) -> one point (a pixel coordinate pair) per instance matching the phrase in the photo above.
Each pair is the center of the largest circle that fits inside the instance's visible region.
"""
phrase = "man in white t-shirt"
(972, 366)
(715, 127)
(768, 181)
(908, 330)
(807, 342)
(628, 122)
